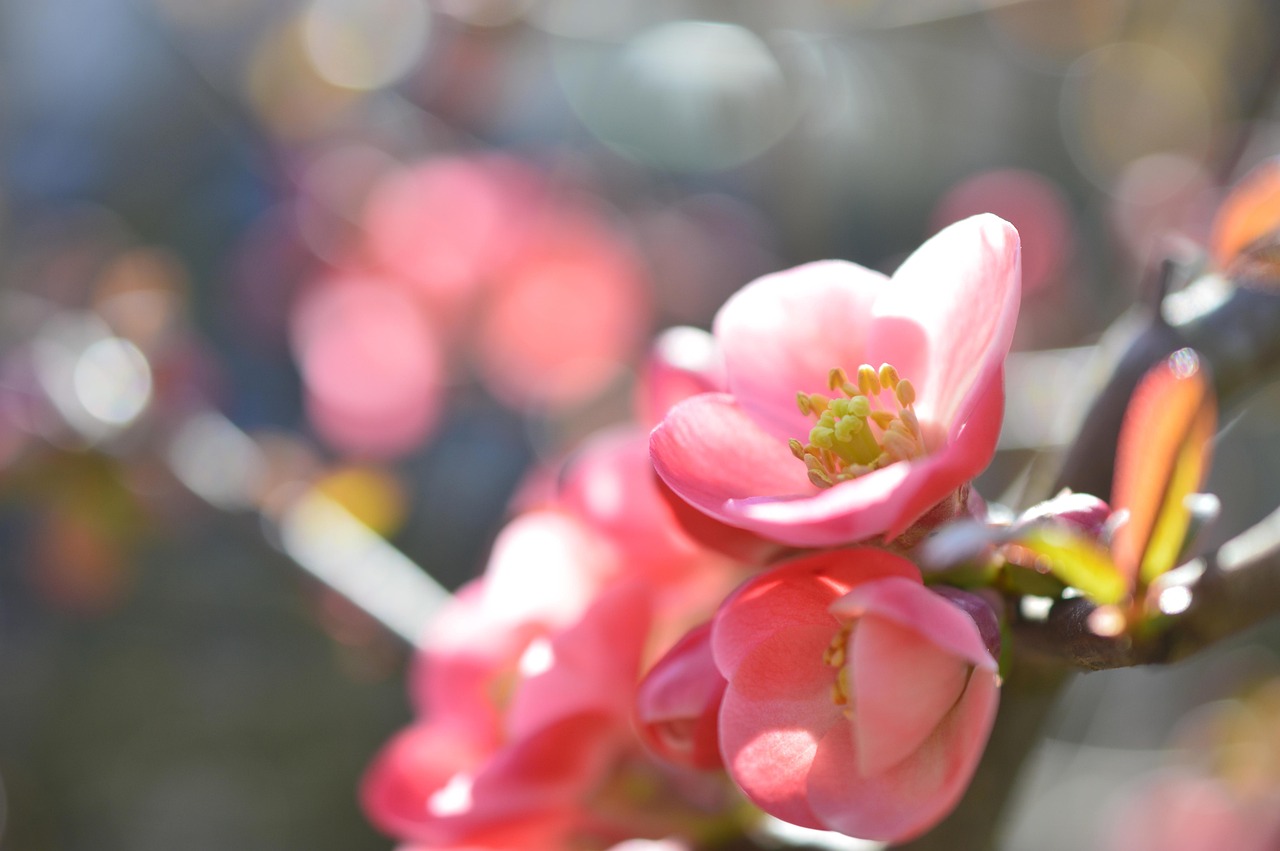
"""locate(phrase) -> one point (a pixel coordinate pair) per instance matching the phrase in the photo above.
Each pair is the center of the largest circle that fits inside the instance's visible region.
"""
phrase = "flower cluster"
(724, 617)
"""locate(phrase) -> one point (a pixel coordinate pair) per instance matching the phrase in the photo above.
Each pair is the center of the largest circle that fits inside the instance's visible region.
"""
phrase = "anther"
(889, 376)
(802, 402)
(797, 448)
(906, 393)
(868, 381)
(837, 378)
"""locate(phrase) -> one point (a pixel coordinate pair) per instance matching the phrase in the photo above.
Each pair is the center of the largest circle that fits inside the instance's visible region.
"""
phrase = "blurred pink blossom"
(1182, 810)
(371, 365)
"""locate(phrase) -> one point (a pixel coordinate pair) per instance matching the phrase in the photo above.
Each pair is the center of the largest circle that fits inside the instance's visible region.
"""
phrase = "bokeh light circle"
(365, 44)
(1126, 101)
(683, 95)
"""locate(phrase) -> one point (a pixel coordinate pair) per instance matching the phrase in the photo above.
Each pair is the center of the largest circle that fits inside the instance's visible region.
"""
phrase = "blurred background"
(261, 262)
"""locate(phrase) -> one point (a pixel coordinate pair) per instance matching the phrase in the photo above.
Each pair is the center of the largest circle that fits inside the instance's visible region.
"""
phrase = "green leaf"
(1075, 559)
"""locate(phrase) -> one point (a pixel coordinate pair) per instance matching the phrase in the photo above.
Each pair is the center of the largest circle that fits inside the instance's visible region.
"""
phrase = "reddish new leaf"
(1162, 457)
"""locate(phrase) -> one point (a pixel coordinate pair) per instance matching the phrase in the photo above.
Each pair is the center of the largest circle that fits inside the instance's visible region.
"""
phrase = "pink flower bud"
(678, 703)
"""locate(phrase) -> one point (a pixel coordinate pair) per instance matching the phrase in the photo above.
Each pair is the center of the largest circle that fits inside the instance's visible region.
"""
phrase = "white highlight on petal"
(537, 658)
(453, 798)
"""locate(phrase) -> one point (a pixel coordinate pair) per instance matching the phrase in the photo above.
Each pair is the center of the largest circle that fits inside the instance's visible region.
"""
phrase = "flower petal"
(774, 713)
(710, 452)
(796, 593)
(784, 332)
(677, 704)
(902, 686)
(948, 319)
(931, 616)
(914, 795)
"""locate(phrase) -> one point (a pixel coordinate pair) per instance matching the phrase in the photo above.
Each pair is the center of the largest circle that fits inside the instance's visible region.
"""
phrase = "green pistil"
(871, 424)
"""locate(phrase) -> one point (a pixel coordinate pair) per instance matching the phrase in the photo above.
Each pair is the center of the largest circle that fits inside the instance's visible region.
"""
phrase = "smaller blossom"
(858, 700)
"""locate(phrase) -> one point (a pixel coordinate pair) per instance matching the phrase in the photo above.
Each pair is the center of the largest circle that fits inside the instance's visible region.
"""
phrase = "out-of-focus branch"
(1222, 594)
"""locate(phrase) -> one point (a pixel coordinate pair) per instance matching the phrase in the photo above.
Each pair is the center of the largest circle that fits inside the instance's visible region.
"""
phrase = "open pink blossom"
(858, 700)
(944, 322)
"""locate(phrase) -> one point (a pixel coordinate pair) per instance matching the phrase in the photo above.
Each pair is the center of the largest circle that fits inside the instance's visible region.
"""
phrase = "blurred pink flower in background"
(944, 321)
(1182, 810)
(567, 308)
(474, 259)
(371, 365)
(1032, 203)
(527, 681)
(437, 225)
(858, 700)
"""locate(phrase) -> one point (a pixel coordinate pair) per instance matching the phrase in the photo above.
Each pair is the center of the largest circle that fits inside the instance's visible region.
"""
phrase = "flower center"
(870, 425)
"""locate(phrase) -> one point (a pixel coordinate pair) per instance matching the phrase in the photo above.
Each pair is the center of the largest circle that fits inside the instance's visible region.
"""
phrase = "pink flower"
(560, 722)
(777, 456)
(371, 364)
(858, 700)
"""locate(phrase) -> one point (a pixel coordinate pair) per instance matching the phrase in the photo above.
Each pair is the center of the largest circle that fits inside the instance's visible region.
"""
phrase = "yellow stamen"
(906, 393)
(870, 425)
(868, 380)
(834, 656)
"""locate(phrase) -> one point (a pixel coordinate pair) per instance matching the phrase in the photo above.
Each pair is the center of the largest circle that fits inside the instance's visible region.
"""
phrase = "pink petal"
(545, 568)
(775, 711)
(609, 482)
(948, 319)
(413, 766)
(919, 791)
(784, 332)
(590, 667)
(683, 362)
(794, 594)
(678, 703)
(902, 686)
(741, 545)
(711, 452)
(931, 617)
